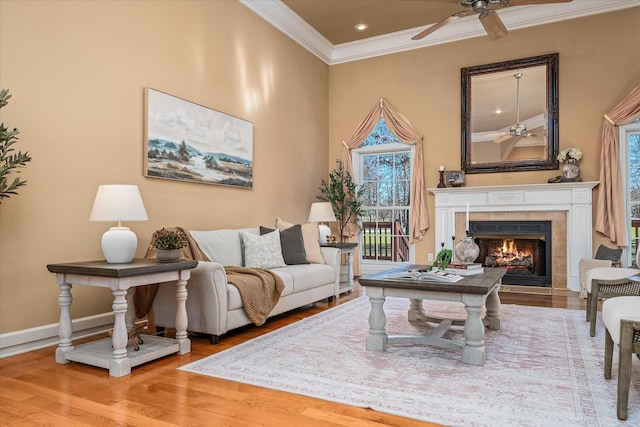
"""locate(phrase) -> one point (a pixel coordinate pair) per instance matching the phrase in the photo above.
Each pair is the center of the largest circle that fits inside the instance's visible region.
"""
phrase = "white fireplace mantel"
(573, 197)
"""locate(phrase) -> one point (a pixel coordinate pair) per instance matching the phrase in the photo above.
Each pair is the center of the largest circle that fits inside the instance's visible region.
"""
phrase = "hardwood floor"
(35, 391)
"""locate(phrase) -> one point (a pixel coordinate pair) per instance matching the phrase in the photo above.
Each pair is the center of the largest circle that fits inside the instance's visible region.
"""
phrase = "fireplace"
(568, 205)
(523, 248)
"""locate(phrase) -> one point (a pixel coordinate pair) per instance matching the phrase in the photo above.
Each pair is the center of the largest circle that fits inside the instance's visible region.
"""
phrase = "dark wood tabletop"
(481, 284)
(137, 267)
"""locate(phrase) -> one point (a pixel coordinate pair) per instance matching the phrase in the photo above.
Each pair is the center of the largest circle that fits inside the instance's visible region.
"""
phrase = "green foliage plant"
(168, 239)
(9, 162)
(345, 197)
(443, 259)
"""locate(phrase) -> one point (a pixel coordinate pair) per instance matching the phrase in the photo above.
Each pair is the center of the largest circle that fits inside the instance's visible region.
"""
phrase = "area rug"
(542, 368)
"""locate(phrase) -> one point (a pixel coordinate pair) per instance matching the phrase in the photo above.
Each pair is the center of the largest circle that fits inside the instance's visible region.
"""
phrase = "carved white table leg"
(493, 305)
(377, 338)
(416, 311)
(120, 364)
(181, 313)
(473, 352)
(65, 327)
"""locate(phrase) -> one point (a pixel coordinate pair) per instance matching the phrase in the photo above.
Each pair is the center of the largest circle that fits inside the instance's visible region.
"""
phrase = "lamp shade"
(118, 203)
(321, 212)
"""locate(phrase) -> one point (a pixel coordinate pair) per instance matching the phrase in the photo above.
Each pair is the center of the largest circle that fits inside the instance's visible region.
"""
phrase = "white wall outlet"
(430, 256)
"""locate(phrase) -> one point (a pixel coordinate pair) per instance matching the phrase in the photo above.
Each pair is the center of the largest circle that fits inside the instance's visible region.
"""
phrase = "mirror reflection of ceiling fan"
(517, 129)
(489, 19)
(529, 128)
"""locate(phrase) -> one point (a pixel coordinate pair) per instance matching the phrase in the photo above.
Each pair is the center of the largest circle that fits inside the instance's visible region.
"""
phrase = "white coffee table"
(475, 292)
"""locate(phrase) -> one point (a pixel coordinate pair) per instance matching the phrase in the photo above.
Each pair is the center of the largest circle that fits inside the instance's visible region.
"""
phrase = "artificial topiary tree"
(344, 196)
(9, 162)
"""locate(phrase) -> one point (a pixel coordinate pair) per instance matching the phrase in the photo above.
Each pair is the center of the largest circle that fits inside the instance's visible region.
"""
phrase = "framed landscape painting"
(188, 142)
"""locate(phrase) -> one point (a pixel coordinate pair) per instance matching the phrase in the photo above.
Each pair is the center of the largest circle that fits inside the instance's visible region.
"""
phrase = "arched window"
(382, 166)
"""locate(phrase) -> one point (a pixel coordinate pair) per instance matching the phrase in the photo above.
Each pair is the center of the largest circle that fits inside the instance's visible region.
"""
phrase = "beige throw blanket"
(259, 289)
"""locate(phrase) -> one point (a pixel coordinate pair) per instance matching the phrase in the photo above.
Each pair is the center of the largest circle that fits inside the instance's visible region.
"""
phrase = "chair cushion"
(605, 252)
(618, 308)
(608, 273)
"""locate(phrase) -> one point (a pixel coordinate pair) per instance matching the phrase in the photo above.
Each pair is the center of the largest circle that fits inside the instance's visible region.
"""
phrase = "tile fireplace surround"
(567, 205)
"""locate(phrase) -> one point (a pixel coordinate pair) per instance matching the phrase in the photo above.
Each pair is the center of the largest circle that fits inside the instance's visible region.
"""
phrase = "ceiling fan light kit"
(489, 18)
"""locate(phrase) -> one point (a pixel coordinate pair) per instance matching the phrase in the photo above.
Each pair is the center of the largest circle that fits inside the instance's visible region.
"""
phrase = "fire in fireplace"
(523, 248)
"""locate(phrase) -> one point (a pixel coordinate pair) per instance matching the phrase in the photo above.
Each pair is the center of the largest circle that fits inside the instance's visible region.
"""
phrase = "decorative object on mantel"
(168, 244)
(570, 168)
(467, 250)
(441, 184)
(455, 178)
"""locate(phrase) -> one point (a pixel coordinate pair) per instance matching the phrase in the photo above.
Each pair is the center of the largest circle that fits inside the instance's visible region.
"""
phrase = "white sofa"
(214, 306)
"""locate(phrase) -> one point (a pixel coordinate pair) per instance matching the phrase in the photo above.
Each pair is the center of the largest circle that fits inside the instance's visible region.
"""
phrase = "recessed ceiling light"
(361, 27)
(498, 111)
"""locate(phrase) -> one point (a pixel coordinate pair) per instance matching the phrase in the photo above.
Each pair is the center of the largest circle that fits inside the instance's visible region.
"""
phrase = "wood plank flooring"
(35, 391)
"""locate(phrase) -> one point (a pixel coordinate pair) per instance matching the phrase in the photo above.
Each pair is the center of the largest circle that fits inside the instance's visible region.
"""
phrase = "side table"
(346, 270)
(112, 354)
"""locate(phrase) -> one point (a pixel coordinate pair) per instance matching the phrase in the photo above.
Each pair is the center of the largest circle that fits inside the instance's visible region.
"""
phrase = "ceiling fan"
(488, 17)
(518, 129)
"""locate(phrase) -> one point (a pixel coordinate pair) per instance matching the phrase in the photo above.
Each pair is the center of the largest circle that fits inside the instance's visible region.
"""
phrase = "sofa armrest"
(332, 258)
(207, 301)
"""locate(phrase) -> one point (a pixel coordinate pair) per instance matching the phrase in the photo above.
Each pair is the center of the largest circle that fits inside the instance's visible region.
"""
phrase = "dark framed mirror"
(510, 115)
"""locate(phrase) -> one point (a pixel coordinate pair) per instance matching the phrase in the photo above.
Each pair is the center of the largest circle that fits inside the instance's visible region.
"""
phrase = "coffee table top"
(482, 283)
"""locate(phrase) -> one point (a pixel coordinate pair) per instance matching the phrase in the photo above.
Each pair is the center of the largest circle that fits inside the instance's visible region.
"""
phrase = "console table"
(112, 354)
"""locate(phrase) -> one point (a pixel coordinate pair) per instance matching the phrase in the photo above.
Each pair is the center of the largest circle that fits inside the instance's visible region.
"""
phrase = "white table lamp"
(118, 203)
(322, 212)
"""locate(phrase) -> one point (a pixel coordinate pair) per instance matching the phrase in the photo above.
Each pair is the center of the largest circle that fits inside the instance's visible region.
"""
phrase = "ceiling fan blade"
(503, 138)
(441, 24)
(493, 24)
(526, 2)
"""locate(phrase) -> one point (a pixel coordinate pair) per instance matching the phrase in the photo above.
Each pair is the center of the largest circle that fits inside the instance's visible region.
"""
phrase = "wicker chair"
(621, 317)
(608, 282)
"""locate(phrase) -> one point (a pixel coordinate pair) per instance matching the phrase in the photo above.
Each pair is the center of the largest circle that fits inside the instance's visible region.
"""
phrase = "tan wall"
(599, 65)
(77, 71)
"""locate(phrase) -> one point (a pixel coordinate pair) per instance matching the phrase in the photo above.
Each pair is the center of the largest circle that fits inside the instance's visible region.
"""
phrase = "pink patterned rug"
(542, 368)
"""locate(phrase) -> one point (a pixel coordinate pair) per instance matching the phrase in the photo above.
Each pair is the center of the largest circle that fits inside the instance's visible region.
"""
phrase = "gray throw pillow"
(292, 244)
(608, 253)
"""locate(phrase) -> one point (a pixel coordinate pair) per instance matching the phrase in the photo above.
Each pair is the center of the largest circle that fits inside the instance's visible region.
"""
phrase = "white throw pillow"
(262, 251)
(310, 236)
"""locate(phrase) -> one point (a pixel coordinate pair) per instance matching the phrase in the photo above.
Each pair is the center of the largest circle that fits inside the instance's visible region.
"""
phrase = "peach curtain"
(401, 127)
(610, 215)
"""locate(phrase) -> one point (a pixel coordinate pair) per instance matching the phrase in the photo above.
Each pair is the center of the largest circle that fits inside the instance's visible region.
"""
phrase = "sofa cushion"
(233, 294)
(310, 235)
(222, 246)
(262, 251)
(307, 276)
(292, 244)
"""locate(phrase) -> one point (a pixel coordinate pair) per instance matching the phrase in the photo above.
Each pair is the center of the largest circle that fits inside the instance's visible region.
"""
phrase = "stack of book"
(465, 269)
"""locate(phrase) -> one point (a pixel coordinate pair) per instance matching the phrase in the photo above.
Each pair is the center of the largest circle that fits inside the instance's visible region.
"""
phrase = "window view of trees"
(386, 180)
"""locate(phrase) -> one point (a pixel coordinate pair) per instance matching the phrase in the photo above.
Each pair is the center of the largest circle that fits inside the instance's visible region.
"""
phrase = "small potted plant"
(168, 244)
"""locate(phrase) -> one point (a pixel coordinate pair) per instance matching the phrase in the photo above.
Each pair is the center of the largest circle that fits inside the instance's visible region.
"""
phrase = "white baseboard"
(18, 342)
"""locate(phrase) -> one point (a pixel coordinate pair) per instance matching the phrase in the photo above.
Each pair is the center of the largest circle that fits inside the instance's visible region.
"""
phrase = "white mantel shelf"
(573, 197)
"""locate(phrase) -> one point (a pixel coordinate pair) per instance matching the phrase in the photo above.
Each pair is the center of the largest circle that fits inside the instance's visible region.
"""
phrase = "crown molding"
(283, 18)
